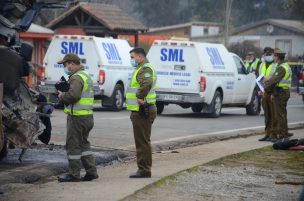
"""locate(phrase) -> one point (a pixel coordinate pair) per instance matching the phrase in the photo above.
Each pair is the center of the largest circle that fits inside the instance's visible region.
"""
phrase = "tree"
(157, 13)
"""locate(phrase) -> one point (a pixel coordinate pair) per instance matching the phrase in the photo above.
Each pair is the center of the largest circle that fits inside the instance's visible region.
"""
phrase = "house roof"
(35, 28)
(177, 26)
(292, 25)
(111, 16)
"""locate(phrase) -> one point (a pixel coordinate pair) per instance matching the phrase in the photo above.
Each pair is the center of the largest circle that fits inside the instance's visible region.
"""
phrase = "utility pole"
(227, 17)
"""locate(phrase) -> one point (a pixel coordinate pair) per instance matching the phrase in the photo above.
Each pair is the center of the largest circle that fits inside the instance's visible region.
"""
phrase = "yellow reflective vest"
(85, 105)
(285, 83)
(267, 72)
(252, 66)
(131, 99)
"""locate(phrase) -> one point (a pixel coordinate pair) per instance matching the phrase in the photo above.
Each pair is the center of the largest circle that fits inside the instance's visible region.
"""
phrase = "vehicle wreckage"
(25, 113)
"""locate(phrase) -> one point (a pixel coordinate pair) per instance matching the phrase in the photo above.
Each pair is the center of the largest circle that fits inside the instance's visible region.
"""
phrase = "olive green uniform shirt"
(76, 85)
(145, 80)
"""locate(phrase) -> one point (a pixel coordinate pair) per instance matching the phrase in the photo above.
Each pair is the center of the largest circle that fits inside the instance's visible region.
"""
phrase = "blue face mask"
(133, 63)
(269, 59)
(66, 71)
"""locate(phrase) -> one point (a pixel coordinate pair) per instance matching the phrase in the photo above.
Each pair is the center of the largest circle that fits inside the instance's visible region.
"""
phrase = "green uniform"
(268, 104)
(280, 82)
(79, 122)
(142, 86)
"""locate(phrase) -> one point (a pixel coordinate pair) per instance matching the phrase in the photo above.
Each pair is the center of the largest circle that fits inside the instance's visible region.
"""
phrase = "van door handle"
(239, 78)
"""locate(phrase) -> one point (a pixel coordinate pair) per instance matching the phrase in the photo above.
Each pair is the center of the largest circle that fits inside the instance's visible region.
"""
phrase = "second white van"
(203, 76)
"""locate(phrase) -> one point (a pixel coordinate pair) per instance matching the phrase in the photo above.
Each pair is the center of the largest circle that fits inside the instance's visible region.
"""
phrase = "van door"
(242, 83)
(177, 68)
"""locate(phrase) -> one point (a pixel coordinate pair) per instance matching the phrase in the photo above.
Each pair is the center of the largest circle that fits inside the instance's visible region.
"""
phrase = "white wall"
(297, 42)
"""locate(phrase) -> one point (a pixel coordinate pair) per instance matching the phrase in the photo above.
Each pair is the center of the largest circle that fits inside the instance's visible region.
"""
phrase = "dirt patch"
(245, 176)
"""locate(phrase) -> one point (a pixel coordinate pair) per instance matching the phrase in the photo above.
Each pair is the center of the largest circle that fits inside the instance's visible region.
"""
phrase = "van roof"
(82, 37)
(183, 43)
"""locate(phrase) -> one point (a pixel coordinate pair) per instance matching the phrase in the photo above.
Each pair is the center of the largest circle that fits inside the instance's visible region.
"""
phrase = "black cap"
(268, 50)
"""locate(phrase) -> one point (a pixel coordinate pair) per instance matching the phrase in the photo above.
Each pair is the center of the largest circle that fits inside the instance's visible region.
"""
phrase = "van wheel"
(216, 105)
(160, 107)
(253, 107)
(118, 98)
(197, 107)
(3, 152)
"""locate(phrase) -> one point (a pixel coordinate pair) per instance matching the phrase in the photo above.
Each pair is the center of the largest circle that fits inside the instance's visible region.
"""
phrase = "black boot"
(264, 138)
(139, 174)
(68, 178)
(89, 177)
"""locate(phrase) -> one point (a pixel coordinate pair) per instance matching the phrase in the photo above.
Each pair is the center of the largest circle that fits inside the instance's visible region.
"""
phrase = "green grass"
(265, 157)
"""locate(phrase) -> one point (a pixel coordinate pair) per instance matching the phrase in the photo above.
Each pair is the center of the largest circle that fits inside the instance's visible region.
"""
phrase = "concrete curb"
(200, 139)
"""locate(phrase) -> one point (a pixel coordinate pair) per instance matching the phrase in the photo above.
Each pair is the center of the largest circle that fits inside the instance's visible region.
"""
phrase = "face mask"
(250, 61)
(133, 63)
(269, 59)
(66, 71)
(263, 59)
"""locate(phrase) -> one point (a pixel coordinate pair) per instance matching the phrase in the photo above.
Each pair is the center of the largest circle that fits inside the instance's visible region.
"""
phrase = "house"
(287, 35)
(188, 30)
(39, 37)
(102, 20)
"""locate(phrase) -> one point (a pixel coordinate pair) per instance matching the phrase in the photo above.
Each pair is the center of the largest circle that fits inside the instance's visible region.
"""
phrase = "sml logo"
(172, 55)
(72, 47)
(215, 58)
(112, 53)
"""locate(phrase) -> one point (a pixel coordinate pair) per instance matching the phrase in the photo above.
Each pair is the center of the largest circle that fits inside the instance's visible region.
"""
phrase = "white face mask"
(133, 63)
(269, 59)
(67, 71)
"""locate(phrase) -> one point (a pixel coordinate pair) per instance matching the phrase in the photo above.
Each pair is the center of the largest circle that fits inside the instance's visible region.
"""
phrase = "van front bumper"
(178, 98)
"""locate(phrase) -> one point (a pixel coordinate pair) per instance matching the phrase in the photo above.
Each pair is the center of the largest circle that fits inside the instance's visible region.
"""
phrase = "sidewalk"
(114, 183)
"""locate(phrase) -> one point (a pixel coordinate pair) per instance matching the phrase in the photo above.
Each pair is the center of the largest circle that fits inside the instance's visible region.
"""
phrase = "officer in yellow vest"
(281, 84)
(79, 101)
(268, 68)
(140, 100)
(251, 62)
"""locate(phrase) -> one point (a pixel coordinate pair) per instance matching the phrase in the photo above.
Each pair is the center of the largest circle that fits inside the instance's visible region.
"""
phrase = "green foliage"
(157, 13)
(161, 13)
(243, 48)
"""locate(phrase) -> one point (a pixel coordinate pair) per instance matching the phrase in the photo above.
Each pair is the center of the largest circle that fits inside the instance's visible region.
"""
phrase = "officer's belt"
(151, 107)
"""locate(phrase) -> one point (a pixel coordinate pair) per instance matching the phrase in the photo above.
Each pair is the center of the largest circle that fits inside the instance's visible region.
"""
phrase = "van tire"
(197, 107)
(253, 107)
(118, 98)
(160, 107)
(216, 105)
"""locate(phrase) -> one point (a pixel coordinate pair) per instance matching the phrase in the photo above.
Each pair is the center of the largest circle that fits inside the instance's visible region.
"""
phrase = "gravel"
(212, 183)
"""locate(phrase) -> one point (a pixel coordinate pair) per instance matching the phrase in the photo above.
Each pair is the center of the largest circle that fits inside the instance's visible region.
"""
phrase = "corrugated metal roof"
(177, 26)
(109, 15)
(292, 25)
(35, 28)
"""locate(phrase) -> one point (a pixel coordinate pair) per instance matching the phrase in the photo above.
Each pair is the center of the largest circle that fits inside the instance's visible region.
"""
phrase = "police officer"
(281, 84)
(142, 92)
(268, 68)
(80, 121)
(251, 62)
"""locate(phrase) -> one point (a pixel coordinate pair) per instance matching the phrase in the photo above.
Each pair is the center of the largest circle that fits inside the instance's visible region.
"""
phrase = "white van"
(203, 76)
(107, 60)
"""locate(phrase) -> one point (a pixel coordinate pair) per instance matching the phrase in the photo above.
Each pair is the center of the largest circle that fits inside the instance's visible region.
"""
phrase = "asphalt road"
(114, 129)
